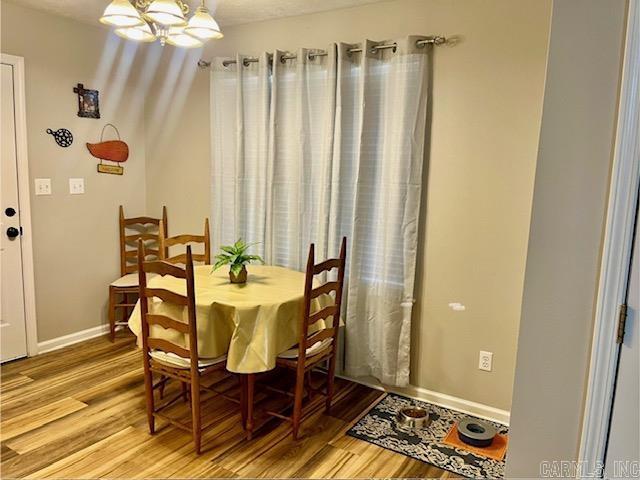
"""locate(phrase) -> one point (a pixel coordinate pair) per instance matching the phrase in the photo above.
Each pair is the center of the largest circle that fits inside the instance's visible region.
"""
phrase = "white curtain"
(309, 149)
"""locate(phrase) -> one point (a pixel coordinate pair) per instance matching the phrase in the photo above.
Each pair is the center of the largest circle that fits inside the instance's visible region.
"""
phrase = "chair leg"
(148, 389)
(308, 384)
(243, 400)
(250, 387)
(163, 381)
(195, 414)
(331, 375)
(185, 391)
(112, 314)
(128, 310)
(297, 403)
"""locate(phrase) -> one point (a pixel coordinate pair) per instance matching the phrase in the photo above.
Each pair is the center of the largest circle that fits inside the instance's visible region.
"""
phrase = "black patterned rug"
(379, 427)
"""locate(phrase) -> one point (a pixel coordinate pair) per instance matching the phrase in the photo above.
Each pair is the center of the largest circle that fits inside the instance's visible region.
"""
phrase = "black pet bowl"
(475, 432)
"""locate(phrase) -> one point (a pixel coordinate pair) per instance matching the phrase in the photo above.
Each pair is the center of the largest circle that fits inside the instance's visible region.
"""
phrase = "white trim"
(625, 178)
(22, 160)
(66, 340)
(442, 400)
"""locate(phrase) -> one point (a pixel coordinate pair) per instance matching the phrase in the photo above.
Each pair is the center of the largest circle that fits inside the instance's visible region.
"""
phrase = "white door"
(12, 312)
(623, 449)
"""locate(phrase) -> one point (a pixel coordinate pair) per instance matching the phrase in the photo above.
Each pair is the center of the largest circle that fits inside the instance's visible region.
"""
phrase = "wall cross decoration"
(88, 102)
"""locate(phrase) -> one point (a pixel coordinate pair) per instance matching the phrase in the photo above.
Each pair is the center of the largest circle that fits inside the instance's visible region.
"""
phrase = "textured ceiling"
(227, 12)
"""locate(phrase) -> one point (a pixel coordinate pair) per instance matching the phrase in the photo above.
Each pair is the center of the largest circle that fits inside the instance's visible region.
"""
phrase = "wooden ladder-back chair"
(314, 349)
(166, 242)
(167, 359)
(123, 292)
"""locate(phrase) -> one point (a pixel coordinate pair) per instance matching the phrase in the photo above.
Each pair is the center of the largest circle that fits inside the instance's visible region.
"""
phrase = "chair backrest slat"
(321, 335)
(184, 239)
(324, 289)
(165, 296)
(144, 227)
(311, 293)
(188, 329)
(141, 221)
(163, 268)
(166, 322)
(326, 265)
(326, 312)
(167, 346)
(133, 239)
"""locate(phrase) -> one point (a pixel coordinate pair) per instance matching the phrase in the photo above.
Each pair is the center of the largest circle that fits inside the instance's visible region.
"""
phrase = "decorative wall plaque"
(110, 150)
(88, 102)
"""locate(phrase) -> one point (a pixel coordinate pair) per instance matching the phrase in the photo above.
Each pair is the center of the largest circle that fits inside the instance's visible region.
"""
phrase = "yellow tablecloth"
(252, 322)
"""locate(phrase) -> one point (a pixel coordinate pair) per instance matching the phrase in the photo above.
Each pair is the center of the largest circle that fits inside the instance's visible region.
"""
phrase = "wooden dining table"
(252, 323)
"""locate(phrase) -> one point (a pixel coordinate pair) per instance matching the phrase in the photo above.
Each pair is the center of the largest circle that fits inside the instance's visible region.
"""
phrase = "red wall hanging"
(110, 150)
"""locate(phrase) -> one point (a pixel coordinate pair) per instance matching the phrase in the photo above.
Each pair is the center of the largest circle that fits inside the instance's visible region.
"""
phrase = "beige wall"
(572, 178)
(487, 100)
(75, 238)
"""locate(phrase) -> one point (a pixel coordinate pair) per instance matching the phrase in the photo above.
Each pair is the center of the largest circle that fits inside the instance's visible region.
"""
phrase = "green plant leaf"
(236, 256)
(218, 264)
(255, 258)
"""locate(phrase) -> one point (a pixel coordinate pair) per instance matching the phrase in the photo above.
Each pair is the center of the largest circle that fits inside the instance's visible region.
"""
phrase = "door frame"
(616, 255)
(22, 160)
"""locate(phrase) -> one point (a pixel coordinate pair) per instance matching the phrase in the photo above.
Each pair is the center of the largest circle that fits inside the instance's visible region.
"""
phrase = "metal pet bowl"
(413, 417)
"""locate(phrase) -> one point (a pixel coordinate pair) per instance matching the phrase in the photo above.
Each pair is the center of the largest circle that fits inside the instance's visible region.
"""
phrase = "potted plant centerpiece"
(237, 258)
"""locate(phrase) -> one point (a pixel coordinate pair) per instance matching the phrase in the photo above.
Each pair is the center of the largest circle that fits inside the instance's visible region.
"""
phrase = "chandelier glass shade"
(164, 20)
(178, 38)
(140, 33)
(120, 13)
(202, 25)
(165, 12)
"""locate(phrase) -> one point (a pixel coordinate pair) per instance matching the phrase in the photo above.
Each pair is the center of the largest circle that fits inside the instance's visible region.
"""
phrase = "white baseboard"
(442, 400)
(66, 340)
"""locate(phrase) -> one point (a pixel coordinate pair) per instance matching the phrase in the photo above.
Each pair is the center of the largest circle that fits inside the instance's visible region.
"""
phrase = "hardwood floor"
(79, 413)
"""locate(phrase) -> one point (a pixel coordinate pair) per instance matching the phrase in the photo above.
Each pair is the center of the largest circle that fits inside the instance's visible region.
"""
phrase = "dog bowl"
(413, 417)
(475, 432)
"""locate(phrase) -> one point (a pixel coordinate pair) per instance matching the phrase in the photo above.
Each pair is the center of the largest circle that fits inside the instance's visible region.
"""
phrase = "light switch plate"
(76, 186)
(43, 186)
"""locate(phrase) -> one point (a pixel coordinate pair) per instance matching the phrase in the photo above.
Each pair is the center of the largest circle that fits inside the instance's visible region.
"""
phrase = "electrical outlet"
(76, 186)
(486, 361)
(43, 186)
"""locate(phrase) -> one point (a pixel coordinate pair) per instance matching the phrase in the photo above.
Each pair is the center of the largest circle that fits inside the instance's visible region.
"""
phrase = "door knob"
(12, 232)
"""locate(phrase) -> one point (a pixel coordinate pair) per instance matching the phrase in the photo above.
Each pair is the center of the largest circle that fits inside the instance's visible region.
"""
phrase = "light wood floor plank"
(112, 411)
(79, 412)
(13, 381)
(37, 417)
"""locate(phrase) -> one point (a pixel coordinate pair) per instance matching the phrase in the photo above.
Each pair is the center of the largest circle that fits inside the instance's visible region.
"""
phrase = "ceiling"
(227, 12)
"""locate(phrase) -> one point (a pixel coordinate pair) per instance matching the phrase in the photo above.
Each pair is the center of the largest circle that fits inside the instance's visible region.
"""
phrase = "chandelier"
(150, 20)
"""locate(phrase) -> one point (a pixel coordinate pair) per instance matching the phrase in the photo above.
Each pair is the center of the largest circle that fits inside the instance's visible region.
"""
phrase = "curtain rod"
(436, 40)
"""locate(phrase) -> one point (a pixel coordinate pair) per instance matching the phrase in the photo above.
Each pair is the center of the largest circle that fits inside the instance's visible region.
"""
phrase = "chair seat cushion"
(130, 280)
(314, 349)
(172, 360)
